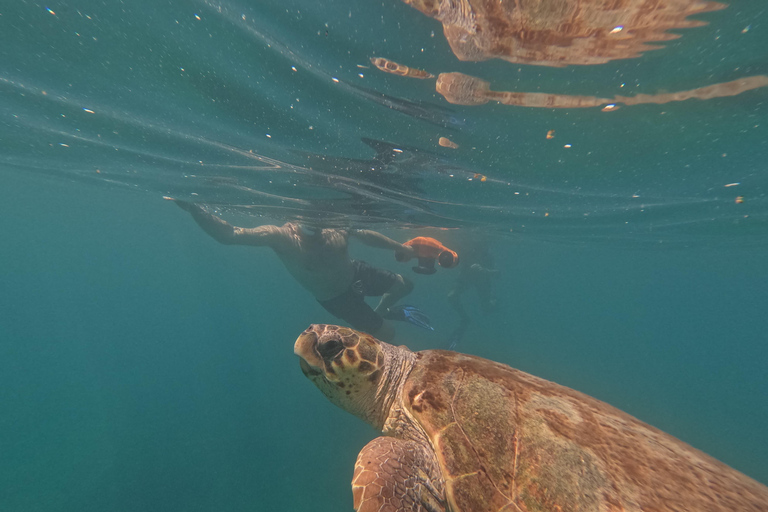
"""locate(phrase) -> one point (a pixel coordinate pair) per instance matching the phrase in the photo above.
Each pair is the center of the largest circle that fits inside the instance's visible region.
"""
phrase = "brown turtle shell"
(560, 32)
(508, 441)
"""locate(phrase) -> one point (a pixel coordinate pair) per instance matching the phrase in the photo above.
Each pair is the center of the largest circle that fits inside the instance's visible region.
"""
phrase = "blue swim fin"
(412, 314)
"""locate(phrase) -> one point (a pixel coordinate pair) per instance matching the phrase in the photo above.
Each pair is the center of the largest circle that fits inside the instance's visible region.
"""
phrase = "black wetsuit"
(350, 306)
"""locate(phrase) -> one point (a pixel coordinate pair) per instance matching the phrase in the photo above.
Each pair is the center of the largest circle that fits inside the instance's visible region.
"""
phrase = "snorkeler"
(319, 261)
(478, 271)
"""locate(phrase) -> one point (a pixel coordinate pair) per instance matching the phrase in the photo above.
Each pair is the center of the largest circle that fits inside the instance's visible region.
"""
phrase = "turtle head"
(351, 368)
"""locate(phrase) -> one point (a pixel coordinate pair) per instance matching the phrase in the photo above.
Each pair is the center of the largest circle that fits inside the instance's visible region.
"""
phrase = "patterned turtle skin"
(465, 434)
(560, 32)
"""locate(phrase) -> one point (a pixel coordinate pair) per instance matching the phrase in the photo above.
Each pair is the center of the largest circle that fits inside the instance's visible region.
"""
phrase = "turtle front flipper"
(395, 475)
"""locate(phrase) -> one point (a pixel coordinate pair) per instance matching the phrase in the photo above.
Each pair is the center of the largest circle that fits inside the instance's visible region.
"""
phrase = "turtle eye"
(330, 348)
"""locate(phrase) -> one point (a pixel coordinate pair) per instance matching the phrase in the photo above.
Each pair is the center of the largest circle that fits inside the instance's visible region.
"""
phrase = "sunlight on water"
(196, 151)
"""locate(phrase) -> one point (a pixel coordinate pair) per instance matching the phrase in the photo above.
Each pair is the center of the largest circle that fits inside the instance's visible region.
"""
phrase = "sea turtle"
(465, 434)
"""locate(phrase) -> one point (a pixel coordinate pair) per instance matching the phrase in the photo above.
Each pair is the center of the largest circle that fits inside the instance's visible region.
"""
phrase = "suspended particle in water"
(551, 134)
(739, 199)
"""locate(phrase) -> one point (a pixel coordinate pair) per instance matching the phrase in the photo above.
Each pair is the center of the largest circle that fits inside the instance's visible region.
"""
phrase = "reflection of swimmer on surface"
(461, 89)
(319, 261)
(477, 271)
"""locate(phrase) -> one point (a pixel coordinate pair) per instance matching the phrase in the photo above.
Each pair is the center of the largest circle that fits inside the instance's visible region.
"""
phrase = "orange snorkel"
(427, 251)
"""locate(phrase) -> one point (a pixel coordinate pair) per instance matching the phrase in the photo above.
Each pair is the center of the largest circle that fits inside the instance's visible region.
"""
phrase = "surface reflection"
(389, 66)
(560, 32)
(461, 89)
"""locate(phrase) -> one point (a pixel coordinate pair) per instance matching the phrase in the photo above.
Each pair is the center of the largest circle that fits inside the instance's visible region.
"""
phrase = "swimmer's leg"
(352, 308)
(400, 288)
(454, 299)
(457, 335)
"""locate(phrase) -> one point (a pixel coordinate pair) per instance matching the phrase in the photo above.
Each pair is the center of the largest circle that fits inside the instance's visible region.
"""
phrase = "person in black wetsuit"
(319, 261)
(477, 271)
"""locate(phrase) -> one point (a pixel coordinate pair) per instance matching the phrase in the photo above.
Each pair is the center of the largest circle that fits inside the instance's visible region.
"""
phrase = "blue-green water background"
(145, 367)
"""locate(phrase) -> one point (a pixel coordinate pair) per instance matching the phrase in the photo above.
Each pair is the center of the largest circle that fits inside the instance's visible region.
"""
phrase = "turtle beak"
(306, 348)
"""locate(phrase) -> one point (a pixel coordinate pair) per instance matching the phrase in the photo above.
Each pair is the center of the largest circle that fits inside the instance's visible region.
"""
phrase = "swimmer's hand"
(184, 205)
(477, 268)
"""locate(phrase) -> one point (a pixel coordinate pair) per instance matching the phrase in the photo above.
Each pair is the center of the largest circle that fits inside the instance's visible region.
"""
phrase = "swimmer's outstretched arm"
(478, 268)
(225, 233)
(374, 239)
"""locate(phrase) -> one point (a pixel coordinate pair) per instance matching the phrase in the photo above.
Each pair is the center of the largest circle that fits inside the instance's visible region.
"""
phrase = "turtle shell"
(560, 32)
(509, 441)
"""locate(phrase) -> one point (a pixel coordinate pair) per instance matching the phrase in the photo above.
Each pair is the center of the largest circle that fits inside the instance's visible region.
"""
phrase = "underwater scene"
(577, 189)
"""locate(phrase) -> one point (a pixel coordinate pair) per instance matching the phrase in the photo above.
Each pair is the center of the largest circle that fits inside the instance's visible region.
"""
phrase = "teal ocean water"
(145, 367)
